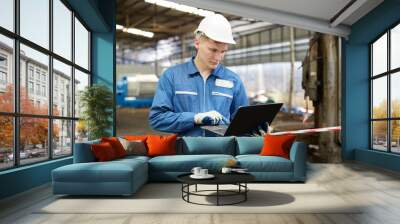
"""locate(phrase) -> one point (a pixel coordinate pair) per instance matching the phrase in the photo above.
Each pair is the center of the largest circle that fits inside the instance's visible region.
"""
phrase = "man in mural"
(200, 91)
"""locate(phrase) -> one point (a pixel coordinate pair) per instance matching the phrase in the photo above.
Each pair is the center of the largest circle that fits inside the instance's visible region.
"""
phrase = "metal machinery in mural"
(136, 90)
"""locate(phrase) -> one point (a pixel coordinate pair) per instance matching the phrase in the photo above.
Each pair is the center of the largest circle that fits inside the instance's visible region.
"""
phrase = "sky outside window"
(62, 29)
(81, 45)
(35, 21)
(379, 58)
(7, 14)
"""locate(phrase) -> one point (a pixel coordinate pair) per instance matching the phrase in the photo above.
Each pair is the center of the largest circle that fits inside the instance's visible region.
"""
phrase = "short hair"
(200, 34)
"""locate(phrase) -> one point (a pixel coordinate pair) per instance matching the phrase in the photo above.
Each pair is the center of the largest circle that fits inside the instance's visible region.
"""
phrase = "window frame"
(16, 114)
(388, 74)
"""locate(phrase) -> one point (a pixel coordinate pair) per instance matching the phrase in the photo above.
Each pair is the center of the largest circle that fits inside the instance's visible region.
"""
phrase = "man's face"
(210, 52)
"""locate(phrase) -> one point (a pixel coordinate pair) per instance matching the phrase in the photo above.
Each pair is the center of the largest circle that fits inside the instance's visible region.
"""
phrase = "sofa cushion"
(116, 145)
(103, 152)
(83, 152)
(277, 145)
(132, 158)
(249, 145)
(112, 171)
(207, 145)
(185, 163)
(257, 163)
(134, 147)
(161, 145)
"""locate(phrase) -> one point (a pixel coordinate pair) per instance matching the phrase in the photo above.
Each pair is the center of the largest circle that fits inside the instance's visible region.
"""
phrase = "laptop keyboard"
(217, 128)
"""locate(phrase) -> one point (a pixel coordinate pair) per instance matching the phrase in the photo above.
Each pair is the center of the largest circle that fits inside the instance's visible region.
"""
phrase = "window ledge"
(26, 167)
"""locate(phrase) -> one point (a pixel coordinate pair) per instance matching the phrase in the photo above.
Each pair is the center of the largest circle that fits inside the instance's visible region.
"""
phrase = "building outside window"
(385, 96)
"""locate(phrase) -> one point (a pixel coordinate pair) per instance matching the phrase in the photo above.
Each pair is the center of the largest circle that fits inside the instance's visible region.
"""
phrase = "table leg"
(188, 190)
(245, 193)
(217, 194)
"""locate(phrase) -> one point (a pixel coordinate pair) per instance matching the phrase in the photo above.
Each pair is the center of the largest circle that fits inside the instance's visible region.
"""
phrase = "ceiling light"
(135, 31)
(138, 32)
(181, 7)
(119, 27)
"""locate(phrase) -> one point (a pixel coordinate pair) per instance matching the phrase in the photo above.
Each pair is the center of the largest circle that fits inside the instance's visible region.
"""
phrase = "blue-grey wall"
(99, 15)
(355, 110)
(103, 53)
(24, 178)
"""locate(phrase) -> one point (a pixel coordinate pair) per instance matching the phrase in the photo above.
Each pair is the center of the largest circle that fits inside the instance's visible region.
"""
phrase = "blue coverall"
(182, 93)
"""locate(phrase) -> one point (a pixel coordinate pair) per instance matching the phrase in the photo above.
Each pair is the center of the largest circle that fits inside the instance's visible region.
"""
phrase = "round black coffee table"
(238, 179)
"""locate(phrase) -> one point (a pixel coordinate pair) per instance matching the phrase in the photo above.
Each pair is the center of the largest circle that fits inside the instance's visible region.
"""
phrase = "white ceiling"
(321, 9)
(315, 15)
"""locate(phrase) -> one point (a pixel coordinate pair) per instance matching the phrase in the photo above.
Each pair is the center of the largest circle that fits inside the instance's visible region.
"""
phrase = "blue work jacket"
(182, 92)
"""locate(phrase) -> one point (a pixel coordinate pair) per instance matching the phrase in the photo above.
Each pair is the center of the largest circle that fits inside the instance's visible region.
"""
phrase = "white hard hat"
(216, 27)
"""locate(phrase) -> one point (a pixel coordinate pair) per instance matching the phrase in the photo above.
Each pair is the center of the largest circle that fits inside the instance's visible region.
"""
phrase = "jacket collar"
(192, 69)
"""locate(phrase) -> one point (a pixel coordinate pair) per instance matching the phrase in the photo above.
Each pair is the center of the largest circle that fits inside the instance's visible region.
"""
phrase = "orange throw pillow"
(161, 145)
(103, 152)
(116, 145)
(277, 145)
(135, 137)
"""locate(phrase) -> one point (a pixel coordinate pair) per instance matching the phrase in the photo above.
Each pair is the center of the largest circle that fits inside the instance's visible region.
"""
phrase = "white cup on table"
(226, 170)
(196, 170)
(203, 172)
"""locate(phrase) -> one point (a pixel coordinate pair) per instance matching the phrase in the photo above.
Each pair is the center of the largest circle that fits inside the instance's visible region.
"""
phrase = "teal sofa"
(125, 176)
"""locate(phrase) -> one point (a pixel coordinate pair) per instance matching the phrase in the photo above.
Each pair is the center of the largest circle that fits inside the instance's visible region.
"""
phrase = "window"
(38, 89)
(55, 127)
(385, 96)
(7, 14)
(81, 81)
(3, 72)
(30, 72)
(3, 61)
(30, 88)
(62, 74)
(81, 45)
(62, 130)
(62, 29)
(34, 21)
(3, 78)
(7, 142)
(6, 73)
(37, 74)
(43, 90)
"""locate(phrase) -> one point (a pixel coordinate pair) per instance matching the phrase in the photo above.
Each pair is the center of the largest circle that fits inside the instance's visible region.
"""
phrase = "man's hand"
(208, 118)
(261, 130)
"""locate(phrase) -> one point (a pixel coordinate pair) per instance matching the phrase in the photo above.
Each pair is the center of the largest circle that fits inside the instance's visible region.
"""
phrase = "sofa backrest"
(83, 152)
(206, 145)
(249, 145)
(190, 146)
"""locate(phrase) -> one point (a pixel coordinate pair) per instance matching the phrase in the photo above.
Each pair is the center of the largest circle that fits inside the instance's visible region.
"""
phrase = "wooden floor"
(377, 188)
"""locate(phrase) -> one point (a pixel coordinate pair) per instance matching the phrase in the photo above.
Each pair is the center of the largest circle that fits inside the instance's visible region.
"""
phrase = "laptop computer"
(246, 120)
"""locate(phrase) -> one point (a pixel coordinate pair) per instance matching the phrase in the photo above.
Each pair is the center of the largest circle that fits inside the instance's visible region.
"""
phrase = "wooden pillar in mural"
(321, 82)
(328, 108)
(292, 61)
